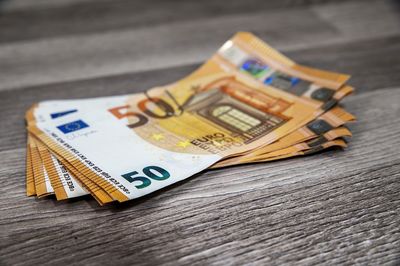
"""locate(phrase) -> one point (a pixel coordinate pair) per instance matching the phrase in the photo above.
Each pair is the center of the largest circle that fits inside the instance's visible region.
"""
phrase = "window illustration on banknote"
(245, 112)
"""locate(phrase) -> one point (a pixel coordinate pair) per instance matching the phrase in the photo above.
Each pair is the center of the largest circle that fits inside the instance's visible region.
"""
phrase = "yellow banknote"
(304, 149)
(41, 179)
(30, 181)
(241, 102)
(325, 123)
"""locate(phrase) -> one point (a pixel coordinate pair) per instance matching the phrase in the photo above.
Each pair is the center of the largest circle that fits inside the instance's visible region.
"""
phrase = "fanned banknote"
(248, 103)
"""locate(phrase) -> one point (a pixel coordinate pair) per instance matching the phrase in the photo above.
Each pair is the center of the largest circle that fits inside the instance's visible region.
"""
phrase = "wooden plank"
(8, 6)
(358, 19)
(133, 50)
(338, 207)
(71, 17)
(136, 49)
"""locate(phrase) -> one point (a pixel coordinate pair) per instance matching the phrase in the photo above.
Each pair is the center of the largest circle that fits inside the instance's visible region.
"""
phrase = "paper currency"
(327, 123)
(247, 103)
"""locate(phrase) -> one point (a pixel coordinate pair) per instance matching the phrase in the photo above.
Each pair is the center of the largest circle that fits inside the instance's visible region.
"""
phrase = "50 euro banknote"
(238, 101)
(65, 186)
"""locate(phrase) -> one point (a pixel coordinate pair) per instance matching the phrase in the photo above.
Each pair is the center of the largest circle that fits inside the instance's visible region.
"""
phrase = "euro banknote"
(247, 103)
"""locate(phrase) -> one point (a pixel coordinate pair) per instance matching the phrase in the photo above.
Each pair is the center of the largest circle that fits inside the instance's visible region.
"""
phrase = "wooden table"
(335, 207)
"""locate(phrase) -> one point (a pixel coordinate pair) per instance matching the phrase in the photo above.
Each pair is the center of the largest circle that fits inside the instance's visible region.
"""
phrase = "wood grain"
(294, 210)
(174, 43)
(82, 16)
(339, 207)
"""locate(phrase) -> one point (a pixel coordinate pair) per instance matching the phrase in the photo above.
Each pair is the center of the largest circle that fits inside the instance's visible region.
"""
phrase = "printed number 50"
(151, 172)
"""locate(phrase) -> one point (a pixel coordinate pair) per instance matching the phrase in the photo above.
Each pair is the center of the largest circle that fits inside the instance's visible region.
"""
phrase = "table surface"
(335, 207)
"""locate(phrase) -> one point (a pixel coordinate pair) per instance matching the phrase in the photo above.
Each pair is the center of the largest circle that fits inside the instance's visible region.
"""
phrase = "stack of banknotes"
(248, 103)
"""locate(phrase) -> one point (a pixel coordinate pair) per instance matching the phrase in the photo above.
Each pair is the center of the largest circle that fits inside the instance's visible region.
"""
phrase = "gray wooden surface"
(335, 207)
